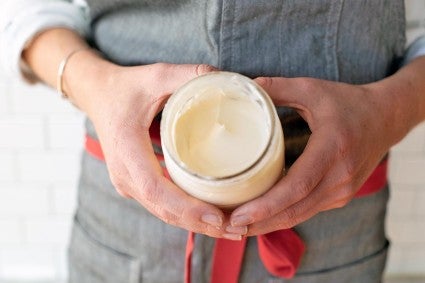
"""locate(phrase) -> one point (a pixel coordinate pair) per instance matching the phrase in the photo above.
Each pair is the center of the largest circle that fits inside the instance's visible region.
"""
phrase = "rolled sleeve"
(22, 20)
(415, 49)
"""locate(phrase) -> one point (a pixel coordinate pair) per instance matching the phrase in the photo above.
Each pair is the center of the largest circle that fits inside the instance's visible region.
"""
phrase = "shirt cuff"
(34, 18)
(415, 49)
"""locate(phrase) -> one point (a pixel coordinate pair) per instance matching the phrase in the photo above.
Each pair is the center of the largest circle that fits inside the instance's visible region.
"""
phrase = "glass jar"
(222, 139)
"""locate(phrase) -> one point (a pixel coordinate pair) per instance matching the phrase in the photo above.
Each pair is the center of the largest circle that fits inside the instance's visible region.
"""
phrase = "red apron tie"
(227, 260)
(280, 251)
(190, 244)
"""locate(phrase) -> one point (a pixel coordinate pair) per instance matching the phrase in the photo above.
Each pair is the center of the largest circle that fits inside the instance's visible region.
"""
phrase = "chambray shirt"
(204, 32)
(21, 20)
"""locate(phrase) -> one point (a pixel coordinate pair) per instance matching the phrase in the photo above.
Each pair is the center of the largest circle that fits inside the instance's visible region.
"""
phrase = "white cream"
(222, 139)
(219, 133)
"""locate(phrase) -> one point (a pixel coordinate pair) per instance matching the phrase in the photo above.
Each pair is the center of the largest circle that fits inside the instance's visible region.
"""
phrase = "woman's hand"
(352, 128)
(123, 104)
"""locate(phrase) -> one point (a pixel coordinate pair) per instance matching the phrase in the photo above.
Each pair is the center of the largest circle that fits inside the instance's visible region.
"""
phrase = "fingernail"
(233, 237)
(241, 220)
(212, 219)
(241, 230)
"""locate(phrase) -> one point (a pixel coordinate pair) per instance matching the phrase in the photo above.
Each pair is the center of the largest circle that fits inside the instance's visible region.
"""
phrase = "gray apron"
(116, 240)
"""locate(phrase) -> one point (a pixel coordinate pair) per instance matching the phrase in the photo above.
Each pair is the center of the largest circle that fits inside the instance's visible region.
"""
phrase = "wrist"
(86, 79)
(398, 99)
(61, 71)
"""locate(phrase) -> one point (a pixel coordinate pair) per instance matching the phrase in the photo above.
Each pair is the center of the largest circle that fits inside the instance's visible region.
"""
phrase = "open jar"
(222, 139)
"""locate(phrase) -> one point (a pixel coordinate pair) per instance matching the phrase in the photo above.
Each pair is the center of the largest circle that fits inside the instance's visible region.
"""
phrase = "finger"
(163, 198)
(334, 191)
(304, 175)
(168, 78)
(291, 216)
(186, 212)
(326, 196)
(279, 89)
(295, 93)
(287, 91)
(174, 76)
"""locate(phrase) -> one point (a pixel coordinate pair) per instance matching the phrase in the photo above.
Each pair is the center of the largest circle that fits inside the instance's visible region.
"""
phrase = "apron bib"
(117, 240)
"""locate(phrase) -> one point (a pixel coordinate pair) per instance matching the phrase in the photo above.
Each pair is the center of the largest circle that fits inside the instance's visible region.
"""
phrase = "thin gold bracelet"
(61, 70)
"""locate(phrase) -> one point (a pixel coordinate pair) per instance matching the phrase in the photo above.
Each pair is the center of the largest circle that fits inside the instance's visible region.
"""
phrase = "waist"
(376, 181)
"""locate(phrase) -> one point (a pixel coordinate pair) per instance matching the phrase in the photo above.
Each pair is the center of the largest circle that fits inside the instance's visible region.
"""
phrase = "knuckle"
(349, 190)
(345, 192)
(265, 82)
(160, 67)
(163, 214)
(345, 195)
(341, 203)
(344, 202)
(203, 69)
(168, 217)
(344, 142)
(158, 72)
(302, 188)
(149, 190)
(290, 217)
(348, 172)
(119, 183)
(307, 85)
(267, 211)
(266, 208)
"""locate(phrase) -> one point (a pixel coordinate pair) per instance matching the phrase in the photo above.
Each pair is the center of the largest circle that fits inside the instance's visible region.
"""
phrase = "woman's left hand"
(353, 127)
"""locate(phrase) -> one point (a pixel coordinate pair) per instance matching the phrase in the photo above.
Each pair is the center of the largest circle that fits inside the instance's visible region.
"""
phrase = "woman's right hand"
(122, 102)
(122, 108)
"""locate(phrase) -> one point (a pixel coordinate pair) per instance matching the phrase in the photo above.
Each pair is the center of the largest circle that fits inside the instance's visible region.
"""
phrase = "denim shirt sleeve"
(414, 50)
(22, 20)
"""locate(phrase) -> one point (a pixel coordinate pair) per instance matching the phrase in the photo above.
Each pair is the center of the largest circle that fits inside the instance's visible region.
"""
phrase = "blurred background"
(40, 146)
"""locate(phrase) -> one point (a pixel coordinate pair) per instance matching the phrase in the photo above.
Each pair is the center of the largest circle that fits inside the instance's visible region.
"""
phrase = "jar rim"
(255, 90)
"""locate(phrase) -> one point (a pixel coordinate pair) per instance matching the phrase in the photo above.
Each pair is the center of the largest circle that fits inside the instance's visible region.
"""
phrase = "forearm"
(122, 103)
(403, 96)
(22, 20)
(84, 70)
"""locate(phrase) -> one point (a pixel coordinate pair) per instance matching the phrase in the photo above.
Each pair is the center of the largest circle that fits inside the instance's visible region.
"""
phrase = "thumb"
(175, 75)
(285, 91)
(290, 92)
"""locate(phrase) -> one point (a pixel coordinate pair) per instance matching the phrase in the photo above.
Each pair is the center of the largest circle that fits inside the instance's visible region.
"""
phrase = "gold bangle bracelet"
(61, 70)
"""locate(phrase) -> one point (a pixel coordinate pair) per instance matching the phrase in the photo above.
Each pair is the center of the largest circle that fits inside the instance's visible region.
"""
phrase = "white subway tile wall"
(40, 147)
(406, 222)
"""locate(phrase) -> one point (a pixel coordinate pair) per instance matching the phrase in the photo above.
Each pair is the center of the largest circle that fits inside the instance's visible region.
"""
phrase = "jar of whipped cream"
(222, 139)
